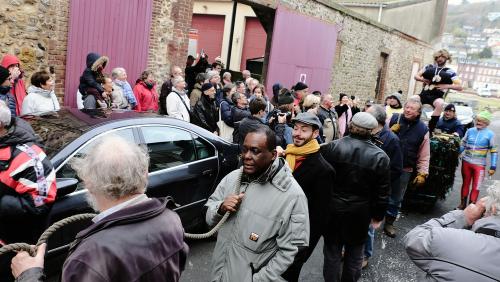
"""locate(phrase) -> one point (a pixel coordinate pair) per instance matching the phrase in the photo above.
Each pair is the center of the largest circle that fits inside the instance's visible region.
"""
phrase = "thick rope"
(223, 219)
(17, 247)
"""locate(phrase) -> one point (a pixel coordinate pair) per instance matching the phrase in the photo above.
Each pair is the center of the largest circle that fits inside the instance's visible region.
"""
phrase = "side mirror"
(66, 186)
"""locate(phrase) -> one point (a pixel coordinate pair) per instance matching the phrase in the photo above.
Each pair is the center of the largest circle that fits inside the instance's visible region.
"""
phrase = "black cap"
(300, 86)
(4, 74)
(206, 86)
(285, 98)
(450, 107)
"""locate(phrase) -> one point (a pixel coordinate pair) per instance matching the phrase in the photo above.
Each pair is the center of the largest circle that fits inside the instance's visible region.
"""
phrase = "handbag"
(226, 131)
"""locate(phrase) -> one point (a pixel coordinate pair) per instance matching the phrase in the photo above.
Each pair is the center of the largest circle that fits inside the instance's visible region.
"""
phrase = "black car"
(186, 162)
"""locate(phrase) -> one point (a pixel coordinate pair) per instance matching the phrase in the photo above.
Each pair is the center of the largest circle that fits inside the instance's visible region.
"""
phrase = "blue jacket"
(411, 136)
(389, 142)
(476, 144)
(225, 111)
(451, 126)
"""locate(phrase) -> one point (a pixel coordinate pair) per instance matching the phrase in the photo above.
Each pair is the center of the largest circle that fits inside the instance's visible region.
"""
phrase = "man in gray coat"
(269, 221)
(461, 245)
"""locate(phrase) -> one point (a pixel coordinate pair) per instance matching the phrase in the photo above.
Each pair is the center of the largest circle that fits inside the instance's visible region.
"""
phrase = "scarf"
(293, 152)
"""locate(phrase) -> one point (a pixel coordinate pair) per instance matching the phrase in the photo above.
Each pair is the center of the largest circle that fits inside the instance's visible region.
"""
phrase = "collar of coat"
(278, 174)
(491, 222)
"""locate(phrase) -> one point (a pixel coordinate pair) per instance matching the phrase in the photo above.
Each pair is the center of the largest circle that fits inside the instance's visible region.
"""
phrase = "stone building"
(369, 59)
(476, 74)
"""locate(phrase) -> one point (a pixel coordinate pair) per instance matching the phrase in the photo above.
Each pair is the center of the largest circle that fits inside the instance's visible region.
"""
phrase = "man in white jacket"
(177, 101)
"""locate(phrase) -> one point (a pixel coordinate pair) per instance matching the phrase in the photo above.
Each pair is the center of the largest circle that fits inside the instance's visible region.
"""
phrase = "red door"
(302, 49)
(108, 27)
(254, 44)
(210, 34)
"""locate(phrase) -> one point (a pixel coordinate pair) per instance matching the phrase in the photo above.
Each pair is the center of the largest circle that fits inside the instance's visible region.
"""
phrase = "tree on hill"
(486, 53)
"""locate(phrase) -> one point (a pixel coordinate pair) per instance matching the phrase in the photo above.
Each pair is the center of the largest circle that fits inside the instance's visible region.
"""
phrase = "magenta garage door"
(302, 49)
(118, 29)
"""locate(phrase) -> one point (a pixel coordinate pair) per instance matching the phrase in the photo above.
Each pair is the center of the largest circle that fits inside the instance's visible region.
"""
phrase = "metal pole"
(231, 35)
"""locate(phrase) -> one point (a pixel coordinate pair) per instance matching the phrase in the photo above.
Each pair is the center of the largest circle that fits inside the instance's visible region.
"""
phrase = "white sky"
(457, 2)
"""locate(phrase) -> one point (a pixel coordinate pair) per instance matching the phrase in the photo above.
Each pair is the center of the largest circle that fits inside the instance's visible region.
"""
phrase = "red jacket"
(18, 89)
(147, 100)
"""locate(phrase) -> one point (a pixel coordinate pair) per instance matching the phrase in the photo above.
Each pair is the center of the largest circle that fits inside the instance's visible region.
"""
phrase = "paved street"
(389, 263)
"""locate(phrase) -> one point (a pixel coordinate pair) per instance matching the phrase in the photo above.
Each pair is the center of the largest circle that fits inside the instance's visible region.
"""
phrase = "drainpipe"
(231, 35)
(380, 7)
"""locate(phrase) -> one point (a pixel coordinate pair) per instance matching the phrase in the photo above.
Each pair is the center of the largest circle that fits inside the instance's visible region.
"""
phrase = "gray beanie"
(397, 96)
(364, 120)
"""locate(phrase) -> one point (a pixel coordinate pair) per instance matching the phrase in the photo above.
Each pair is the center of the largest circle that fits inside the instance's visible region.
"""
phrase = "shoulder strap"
(489, 231)
(184, 103)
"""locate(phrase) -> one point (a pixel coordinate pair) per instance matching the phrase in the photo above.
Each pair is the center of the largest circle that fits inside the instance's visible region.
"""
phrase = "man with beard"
(437, 79)
(153, 248)
(315, 175)
(359, 199)
(270, 224)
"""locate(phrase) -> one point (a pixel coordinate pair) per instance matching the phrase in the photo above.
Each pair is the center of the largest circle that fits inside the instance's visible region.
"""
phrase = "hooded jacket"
(27, 184)
(39, 101)
(259, 242)
(147, 99)
(18, 88)
(95, 64)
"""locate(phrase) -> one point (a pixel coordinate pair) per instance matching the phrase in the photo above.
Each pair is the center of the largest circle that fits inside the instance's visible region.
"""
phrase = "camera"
(280, 113)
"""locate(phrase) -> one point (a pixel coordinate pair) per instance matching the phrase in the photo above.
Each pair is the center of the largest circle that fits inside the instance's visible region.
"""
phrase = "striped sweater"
(476, 144)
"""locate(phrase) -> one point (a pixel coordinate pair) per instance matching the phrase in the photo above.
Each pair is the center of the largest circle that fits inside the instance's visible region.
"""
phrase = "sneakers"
(364, 264)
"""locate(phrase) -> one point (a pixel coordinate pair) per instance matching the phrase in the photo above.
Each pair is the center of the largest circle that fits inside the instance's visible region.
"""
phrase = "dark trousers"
(293, 272)
(353, 258)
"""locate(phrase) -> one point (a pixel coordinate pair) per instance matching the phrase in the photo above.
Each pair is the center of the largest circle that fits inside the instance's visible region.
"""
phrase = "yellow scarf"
(293, 152)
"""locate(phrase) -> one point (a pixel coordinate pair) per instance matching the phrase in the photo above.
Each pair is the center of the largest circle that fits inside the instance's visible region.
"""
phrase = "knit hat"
(4, 74)
(300, 86)
(449, 107)
(206, 86)
(397, 96)
(364, 120)
(485, 115)
(308, 119)
(285, 98)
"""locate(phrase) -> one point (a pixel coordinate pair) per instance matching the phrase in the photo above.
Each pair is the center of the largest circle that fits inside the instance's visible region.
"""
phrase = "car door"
(183, 165)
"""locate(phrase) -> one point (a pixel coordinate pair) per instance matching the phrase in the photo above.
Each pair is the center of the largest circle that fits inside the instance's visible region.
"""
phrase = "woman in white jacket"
(41, 97)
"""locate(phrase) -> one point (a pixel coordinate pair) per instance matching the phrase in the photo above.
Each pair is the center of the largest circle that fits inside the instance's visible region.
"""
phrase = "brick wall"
(169, 36)
(58, 44)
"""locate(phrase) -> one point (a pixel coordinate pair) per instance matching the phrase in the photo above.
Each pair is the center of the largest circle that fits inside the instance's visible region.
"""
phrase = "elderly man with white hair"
(134, 238)
(178, 104)
(462, 245)
(122, 95)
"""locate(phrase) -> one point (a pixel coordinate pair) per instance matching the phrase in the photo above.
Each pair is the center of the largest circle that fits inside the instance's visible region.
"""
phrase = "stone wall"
(35, 31)
(360, 44)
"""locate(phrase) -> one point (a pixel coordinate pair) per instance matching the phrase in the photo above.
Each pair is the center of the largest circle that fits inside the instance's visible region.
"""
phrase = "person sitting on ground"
(476, 144)
(462, 245)
(145, 93)
(41, 96)
(120, 84)
(5, 90)
(205, 110)
(449, 122)
(270, 221)
(115, 187)
(90, 82)
(18, 89)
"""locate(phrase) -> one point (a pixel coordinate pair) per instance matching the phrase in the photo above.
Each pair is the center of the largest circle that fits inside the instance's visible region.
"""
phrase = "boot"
(432, 124)
(389, 229)
(463, 204)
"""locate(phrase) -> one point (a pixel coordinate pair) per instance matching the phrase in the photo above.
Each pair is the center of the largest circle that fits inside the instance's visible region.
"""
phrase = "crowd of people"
(310, 168)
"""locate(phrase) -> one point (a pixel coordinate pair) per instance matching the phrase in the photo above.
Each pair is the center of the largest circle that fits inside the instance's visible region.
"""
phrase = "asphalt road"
(389, 261)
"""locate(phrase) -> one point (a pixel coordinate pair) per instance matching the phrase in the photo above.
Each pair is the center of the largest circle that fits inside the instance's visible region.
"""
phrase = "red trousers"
(472, 173)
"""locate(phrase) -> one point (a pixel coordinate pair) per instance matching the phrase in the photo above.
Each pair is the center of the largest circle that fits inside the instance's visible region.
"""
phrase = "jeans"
(398, 193)
(353, 259)
(369, 242)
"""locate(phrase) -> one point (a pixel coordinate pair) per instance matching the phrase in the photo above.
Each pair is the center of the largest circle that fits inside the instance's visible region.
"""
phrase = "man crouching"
(134, 238)
(270, 221)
